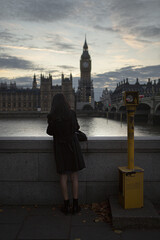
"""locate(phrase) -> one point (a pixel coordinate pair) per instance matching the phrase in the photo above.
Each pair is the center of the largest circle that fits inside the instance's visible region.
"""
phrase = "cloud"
(7, 36)
(131, 72)
(137, 21)
(147, 31)
(25, 81)
(106, 29)
(12, 62)
(66, 67)
(59, 42)
(35, 10)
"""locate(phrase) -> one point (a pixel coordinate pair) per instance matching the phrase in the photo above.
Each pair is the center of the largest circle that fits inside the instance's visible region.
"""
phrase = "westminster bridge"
(148, 110)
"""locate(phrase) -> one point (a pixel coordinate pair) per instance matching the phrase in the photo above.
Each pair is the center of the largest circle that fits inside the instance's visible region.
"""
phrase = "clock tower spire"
(85, 95)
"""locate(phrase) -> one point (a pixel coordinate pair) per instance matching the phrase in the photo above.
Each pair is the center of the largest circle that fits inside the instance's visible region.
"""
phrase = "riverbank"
(44, 114)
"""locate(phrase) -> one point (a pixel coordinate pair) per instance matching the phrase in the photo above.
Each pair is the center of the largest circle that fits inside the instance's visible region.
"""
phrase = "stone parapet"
(28, 172)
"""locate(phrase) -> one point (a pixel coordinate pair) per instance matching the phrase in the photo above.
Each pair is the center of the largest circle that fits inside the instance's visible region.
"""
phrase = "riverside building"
(13, 99)
(148, 89)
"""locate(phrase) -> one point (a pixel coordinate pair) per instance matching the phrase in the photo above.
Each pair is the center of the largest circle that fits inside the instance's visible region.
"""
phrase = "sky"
(47, 36)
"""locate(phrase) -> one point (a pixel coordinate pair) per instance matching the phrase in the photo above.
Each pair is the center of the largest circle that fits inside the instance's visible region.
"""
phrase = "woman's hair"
(60, 108)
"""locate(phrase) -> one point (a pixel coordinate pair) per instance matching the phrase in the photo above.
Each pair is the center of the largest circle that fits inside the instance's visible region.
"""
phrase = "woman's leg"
(74, 179)
(64, 185)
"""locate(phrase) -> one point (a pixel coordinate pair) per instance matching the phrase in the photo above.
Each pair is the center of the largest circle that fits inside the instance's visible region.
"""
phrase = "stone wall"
(28, 172)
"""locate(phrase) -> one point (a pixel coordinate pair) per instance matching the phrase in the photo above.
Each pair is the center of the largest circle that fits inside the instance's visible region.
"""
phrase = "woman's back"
(63, 129)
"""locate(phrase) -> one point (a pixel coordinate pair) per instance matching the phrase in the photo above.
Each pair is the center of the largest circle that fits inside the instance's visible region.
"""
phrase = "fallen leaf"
(95, 205)
(118, 231)
(1, 210)
(96, 220)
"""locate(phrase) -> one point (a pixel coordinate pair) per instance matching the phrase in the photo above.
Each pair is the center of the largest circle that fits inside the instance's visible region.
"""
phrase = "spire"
(34, 84)
(71, 76)
(137, 81)
(85, 46)
(62, 76)
(85, 54)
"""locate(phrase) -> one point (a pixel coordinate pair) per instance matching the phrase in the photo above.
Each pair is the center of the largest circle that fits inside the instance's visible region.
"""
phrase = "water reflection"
(96, 126)
(102, 127)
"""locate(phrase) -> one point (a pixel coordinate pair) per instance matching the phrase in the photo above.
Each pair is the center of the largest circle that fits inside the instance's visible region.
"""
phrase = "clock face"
(85, 64)
(129, 98)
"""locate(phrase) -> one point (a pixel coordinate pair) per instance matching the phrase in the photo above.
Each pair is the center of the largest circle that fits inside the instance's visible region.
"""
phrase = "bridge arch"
(143, 108)
(157, 109)
(122, 109)
(87, 107)
(113, 109)
(146, 103)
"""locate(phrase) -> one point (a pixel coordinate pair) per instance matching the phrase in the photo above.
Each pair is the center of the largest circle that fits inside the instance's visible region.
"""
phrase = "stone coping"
(93, 145)
(90, 138)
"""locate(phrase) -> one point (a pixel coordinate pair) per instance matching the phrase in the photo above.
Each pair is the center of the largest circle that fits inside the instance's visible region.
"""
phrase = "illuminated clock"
(131, 98)
(85, 64)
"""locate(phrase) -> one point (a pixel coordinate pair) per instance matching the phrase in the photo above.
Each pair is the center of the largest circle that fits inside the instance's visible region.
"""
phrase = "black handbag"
(49, 130)
(81, 136)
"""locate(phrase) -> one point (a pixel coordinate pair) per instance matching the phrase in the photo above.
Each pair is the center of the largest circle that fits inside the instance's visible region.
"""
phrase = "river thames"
(92, 126)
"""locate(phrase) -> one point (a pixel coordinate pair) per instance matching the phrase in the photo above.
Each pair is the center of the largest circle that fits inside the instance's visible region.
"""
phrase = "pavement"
(94, 222)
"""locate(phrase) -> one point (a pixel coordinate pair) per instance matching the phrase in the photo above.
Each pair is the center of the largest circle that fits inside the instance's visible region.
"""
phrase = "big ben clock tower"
(85, 95)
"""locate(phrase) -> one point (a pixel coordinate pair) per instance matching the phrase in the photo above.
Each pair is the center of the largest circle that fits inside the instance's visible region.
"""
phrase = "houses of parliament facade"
(13, 99)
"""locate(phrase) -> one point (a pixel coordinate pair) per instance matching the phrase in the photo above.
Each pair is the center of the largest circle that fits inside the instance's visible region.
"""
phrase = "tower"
(45, 92)
(85, 95)
(68, 91)
(34, 84)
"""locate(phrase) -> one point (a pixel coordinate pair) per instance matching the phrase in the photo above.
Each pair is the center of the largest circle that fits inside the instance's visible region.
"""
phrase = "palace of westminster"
(13, 99)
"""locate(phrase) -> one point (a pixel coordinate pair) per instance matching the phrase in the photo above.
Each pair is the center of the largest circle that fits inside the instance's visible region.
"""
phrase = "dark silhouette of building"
(146, 90)
(14, 99)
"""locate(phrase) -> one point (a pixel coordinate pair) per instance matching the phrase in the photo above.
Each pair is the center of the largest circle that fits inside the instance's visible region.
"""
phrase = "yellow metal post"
(131, 177)
(130, 134)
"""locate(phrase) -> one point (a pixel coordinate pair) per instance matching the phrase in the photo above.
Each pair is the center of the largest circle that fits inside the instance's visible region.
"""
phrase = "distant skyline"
(47, 36)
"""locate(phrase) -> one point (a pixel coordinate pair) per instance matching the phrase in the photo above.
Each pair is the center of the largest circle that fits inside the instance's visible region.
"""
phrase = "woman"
(63, 124)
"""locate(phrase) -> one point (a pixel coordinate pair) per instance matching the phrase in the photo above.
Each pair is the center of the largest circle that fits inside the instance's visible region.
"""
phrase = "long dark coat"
(67, 149)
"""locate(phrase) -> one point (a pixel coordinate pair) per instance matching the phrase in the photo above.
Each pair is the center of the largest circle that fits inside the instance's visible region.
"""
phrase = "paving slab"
(146, 217)
(9, 231)
(140, 234)
(49, 223)
(46, 227)
(93, 232)
(12, 214)
(86, 217)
